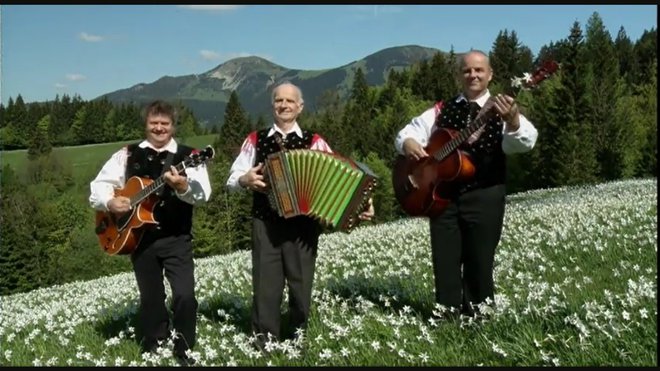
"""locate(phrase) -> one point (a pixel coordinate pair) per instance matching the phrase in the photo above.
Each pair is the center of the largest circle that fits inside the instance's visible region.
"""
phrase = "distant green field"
(88, 159)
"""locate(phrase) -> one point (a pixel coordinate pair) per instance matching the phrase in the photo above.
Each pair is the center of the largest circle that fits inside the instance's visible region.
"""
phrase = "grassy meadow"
(87, 160)
(576, 285)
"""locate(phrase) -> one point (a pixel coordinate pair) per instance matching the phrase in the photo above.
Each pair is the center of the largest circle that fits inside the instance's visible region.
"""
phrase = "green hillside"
(87, 159)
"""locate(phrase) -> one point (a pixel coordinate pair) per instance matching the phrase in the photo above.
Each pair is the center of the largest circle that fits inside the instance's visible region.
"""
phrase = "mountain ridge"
(207, 93)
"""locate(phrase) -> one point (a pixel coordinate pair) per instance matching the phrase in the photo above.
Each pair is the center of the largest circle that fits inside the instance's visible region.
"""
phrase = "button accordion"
(325, 186)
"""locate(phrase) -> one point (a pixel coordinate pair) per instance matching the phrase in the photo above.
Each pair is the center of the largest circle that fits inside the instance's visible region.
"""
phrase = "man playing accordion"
(283, 249)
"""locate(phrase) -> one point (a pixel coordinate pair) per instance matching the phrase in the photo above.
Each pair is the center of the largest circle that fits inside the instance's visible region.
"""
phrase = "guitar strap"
(475, 111)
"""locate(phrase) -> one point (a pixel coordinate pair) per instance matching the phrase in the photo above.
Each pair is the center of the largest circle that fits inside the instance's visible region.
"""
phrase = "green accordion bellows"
(325, 186)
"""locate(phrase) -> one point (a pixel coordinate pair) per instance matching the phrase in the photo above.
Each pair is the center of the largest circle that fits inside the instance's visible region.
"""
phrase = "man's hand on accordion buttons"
(369, 211)
(254, 179)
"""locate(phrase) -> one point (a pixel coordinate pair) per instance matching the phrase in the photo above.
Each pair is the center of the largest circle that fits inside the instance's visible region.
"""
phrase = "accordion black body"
(325, 186)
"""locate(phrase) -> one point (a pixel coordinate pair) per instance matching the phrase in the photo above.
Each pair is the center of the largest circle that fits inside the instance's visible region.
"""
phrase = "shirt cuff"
(184, 193)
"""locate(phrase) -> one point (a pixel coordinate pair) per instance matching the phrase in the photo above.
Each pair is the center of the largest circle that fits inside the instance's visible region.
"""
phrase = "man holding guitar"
(164, 245)
(456, 177)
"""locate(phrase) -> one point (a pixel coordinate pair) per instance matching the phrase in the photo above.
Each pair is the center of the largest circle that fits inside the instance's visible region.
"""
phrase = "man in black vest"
(166, 246)
(464, 237)
(282, 249)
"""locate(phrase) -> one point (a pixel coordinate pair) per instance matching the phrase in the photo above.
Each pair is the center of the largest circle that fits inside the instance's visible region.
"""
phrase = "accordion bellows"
(325, 186)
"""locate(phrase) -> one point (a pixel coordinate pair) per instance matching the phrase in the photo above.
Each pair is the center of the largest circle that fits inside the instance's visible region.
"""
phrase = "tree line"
(596, 117)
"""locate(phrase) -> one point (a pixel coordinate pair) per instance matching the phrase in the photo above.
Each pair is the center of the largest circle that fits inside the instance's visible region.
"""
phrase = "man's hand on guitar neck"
(413, 149)
(175, 180)
(507, 108)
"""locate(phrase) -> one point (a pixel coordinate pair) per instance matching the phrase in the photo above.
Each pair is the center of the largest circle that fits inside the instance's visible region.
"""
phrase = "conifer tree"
(17, 118)
(645, 55)
(623, 48)
(357, 116)
(605, 90)
(509, 58)
(40, 143)
(234, 130)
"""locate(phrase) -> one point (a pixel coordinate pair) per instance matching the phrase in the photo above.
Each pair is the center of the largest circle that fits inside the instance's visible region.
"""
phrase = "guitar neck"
(462, 136)
(153, 187)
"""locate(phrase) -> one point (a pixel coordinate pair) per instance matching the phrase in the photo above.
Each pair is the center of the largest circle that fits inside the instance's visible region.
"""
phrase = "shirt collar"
(296, 129)
(171, 146)
(480, 101)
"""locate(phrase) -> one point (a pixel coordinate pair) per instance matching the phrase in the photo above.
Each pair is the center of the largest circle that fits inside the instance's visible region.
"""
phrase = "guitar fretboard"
(153, 187)
(453, 144)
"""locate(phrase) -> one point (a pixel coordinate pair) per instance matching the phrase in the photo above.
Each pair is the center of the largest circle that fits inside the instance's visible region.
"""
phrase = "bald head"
(287, 105)
(476, 73)
(287, 85)
(474, 53)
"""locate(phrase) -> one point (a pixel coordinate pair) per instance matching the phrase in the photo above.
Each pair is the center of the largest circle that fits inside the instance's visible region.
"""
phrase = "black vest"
(265, 146)
(486, 152)
(173, 215)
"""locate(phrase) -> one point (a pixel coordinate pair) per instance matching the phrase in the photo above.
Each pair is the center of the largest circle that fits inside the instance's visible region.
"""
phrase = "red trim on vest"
(252, 138)
(438, 107)
(315, 138)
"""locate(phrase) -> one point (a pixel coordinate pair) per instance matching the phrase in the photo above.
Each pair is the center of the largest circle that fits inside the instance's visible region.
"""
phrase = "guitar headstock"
(198, 157)
(531, 80)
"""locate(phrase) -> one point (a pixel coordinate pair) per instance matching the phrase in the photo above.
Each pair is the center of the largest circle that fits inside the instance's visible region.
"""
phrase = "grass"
(576, 285)
(88, 159)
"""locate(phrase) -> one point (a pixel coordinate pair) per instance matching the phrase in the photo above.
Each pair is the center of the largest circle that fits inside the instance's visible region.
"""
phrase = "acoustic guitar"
(121, 234)
(422, 186)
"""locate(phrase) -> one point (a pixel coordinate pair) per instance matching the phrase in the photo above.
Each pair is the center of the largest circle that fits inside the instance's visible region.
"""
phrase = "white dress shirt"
(245, 160)
(112, 176)
(421, 127)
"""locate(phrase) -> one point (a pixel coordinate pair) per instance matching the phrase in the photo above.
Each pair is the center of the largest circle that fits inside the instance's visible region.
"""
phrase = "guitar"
(421, 186)
(121, 234)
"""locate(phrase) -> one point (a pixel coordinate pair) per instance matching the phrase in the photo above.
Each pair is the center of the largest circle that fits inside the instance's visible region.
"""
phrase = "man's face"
(476, 74)
(159, 129)
(286, 104)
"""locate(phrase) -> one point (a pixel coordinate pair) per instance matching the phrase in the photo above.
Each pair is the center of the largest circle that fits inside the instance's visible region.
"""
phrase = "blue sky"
(90, 50)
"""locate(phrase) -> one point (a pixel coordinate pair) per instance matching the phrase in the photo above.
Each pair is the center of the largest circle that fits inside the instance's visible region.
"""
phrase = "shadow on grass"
(237, 308)
(390, 296)
(112, 324)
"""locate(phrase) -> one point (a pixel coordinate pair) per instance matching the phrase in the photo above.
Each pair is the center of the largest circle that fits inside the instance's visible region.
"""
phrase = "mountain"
(207, 94)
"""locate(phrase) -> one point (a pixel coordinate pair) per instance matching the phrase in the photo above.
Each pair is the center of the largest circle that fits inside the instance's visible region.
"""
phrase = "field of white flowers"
(576, 285)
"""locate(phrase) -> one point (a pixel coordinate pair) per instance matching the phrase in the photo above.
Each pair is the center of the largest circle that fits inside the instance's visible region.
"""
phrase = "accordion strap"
(280, 142)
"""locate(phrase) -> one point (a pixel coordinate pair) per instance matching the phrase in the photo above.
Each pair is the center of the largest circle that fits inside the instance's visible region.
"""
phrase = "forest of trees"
(596, 117)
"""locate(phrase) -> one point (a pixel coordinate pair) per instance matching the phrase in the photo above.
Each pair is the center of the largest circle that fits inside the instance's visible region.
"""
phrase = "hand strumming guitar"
(413, 149)
(119, 205)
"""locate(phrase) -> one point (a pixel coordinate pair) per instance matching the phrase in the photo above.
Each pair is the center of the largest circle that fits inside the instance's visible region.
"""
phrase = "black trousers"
(283, 250)
(173, 256)
(463, 242)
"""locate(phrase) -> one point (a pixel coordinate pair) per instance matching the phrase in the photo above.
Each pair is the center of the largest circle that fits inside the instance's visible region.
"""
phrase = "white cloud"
(60, 86)
(75, 77)
(210, 55)
(220, 8)
(89, 37)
